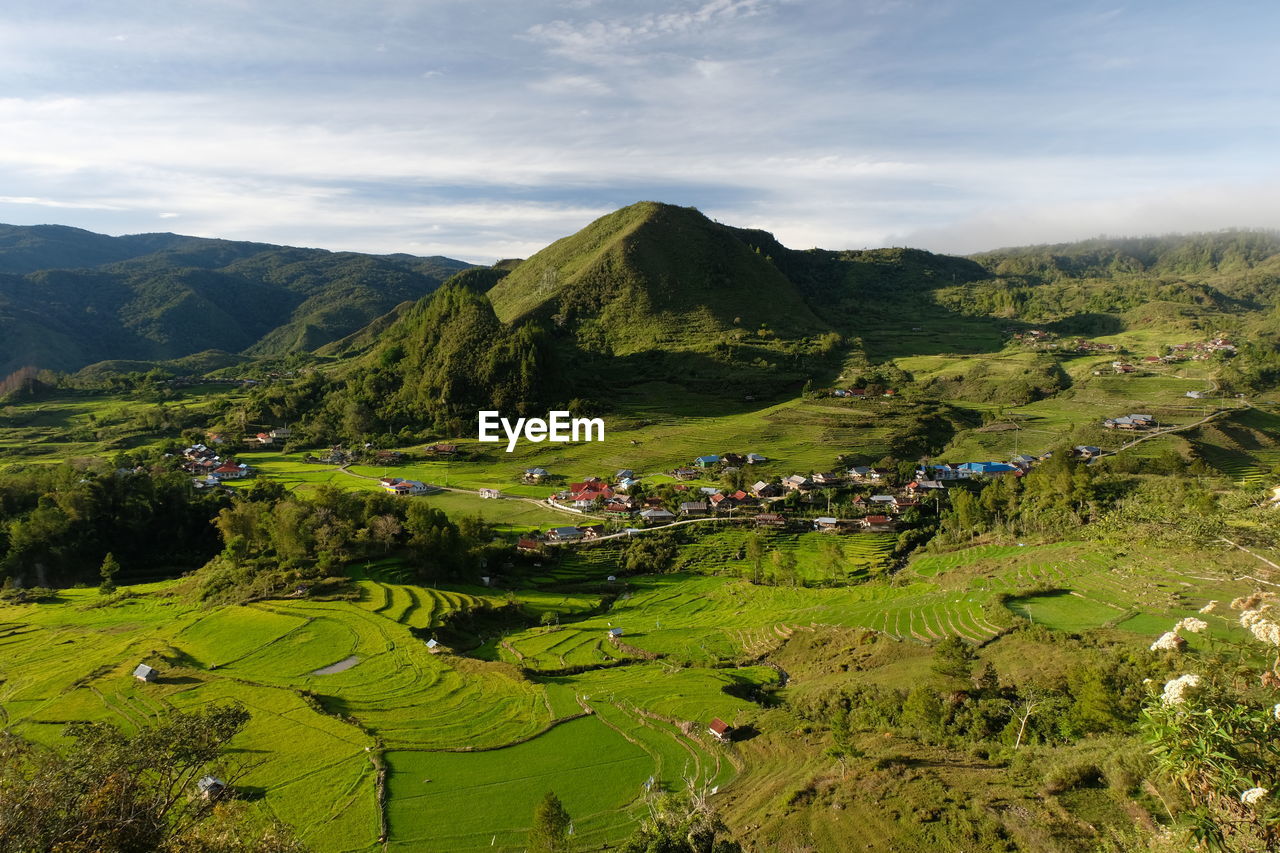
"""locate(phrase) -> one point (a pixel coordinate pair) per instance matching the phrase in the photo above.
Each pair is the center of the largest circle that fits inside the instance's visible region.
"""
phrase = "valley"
(1022, 456)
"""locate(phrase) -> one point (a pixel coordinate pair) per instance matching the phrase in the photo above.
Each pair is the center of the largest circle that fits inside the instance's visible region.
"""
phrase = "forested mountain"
(649, 295)
(69, 298)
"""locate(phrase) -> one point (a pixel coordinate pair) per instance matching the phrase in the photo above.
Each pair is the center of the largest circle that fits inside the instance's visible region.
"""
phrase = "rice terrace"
(834, 580)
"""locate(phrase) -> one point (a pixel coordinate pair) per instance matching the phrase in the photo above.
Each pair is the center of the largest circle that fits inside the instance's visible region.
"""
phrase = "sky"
(485, 129)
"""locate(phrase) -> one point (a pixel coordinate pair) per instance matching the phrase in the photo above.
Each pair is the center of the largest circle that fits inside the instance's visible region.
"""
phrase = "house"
(1022, 460)
(490, 494)
(443, 449)
(145, 673)
(720, 501)
(1130, 422)
(685, 473)
(826, 478)
(720, 730)
(618, 509)
(280, 433)
(709, 461)
(527, 543)
(592, 531)
(735, 460)
(878, 523)
(396, 486)
(770, 519)
(564, 534)
(827, 524)
(987, 469)
(587, 497)
(941, 472)
(883, 500)
(389, 457)
(691, 509)
(755, 459)
(766, 490)
(589, 483)
(262, 438)
(231, 471)
(860, 472)
(434, 647)
(625, 474)
(797, 482)
(536, 475)
(708, 490)
(626, 483)
(657, 514)
(1087, 451)
(904, 503)
(211, 787)
(615, 633)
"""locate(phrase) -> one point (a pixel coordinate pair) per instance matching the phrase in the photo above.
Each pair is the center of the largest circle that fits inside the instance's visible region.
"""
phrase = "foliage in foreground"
(109, 792)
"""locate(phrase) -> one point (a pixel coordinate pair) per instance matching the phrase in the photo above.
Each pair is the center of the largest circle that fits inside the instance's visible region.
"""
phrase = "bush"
(1071, 773)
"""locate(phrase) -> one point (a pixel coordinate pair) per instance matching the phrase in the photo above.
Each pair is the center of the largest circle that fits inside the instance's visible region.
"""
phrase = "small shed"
(211, 787)
(145, 673)
(719, 729)
(433, 647)
(615, 633)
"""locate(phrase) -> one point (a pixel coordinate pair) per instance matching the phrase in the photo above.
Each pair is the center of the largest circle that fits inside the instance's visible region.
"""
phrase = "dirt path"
(544, 504)
(1168, 431)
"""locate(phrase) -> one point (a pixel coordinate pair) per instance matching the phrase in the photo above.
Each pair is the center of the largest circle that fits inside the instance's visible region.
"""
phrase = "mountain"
(655, 275)
(69, 298)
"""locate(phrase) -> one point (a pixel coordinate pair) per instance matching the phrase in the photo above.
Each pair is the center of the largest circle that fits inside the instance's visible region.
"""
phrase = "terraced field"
(1244, 446)
(820, 557)
(336, 686)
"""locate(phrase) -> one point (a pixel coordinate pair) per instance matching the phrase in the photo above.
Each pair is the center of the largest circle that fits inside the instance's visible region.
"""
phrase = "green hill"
(655, 275)
(69, 298)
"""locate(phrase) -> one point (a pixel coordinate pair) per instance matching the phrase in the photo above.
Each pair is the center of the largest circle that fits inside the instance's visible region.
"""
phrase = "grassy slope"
(656, 276)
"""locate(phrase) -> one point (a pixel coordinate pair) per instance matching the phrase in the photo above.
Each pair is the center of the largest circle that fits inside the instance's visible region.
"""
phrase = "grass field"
(1244, 446)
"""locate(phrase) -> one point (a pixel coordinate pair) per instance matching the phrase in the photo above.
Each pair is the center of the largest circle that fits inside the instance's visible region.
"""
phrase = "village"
(878, 500)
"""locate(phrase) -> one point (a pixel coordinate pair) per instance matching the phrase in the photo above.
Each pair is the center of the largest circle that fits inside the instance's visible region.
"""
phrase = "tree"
(953, 658)
(681, 824)
(111, 792)
(110, 567)
(551, 826)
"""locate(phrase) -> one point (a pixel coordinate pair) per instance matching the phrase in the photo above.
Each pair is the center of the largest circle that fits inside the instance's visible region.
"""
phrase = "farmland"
(65, 661)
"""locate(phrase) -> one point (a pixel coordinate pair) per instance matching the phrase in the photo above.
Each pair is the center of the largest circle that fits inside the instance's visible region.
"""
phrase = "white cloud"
(54, 202)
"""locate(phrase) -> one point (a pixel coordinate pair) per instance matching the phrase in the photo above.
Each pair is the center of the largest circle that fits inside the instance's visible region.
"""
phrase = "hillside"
(69, 298)
(655, 275)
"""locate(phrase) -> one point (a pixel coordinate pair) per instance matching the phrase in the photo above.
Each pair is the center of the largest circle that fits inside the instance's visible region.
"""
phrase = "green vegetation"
(973, 680)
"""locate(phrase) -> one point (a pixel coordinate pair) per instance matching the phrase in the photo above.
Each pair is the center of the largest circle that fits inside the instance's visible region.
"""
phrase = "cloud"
(53, 202)
(830, 122)
(1200, 208)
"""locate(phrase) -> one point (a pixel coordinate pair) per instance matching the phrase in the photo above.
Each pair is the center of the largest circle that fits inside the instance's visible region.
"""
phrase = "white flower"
(1275, 712)
(1210, 607)
(1191, 624)
(1252, 795)
(1176, 690)
(1263, 628)
(1168, 642)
